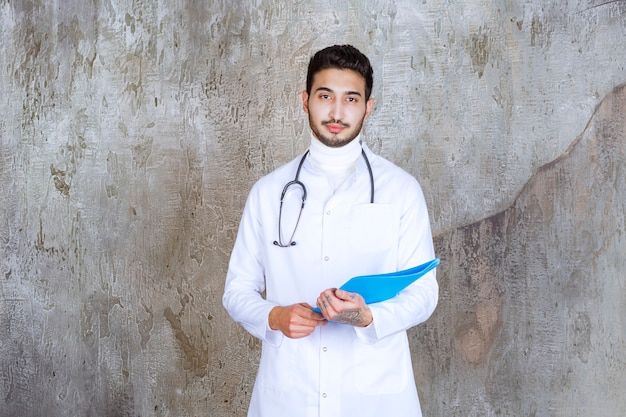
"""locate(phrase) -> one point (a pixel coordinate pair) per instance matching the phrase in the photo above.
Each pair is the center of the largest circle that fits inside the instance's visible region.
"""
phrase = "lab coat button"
(325, 349)
(324, 395)
(326, 258)
(328, 212)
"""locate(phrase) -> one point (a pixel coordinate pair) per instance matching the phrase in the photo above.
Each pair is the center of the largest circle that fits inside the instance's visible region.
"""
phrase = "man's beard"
(334, 141)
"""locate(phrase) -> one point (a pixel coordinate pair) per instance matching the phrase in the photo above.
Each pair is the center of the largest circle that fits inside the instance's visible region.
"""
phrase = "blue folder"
(381, 287)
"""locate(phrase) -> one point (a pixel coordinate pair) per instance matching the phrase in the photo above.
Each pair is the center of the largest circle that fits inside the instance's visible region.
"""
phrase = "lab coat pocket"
(276, 367)
(382, 368)
(374, 227)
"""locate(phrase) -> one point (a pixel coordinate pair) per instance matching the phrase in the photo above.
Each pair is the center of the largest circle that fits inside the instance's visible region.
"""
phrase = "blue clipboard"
(381, 287)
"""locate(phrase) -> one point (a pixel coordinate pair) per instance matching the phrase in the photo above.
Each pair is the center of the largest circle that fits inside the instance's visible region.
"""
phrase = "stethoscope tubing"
(296, 181)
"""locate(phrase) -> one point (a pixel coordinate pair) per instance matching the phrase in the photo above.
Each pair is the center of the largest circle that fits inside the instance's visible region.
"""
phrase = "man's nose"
(336, 110)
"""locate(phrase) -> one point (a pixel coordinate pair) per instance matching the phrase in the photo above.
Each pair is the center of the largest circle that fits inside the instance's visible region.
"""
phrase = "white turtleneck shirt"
(337, 163)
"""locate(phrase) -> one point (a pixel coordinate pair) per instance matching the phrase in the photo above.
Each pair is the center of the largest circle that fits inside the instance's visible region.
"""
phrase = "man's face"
(337, 106)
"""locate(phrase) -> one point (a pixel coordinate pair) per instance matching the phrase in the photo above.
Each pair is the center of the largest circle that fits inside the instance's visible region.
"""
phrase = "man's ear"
(369, 106)
(305, 101)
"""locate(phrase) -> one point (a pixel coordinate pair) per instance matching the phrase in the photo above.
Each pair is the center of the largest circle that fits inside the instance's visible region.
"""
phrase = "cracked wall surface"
(532, 310)
(131, 132)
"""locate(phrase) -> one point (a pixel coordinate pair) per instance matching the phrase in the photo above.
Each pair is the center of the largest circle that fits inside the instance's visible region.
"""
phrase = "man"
(292, 252)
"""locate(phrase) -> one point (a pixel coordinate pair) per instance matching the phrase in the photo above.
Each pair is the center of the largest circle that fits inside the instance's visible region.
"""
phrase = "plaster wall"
(131, 132)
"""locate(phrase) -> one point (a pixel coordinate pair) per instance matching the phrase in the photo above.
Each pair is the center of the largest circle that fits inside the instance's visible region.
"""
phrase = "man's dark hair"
(341, 57)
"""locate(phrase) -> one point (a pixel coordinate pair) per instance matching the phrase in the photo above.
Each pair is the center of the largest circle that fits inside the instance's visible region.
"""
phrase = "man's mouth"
(335, 126)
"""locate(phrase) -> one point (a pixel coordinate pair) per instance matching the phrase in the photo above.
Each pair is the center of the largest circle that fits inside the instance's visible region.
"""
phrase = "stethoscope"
(296, 182)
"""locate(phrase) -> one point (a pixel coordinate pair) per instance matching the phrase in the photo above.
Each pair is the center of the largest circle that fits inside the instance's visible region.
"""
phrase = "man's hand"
(295, 321)
(344, 307)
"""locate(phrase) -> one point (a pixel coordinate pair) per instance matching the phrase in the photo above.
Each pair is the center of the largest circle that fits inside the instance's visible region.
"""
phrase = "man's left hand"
(344, 307)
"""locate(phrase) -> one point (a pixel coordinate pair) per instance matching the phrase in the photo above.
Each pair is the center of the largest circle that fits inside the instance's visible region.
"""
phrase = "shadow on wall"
(532, 313)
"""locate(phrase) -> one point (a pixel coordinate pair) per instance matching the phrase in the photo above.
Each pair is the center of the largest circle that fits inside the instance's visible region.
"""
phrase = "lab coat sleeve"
(245, 280)
(417, 302)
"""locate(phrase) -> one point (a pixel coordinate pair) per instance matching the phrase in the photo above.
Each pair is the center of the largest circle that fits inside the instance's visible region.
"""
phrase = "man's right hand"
(295, 321)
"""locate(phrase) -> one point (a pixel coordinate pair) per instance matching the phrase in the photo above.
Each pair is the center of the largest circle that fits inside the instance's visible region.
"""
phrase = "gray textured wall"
(131, 132)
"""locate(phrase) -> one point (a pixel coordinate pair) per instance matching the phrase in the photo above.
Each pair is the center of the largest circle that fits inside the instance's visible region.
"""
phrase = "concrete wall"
(532, 315)
(131, 132)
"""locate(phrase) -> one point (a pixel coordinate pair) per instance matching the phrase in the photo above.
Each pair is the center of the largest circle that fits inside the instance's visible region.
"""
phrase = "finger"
(299, 333)
(304, 327)
(322, 307)
(318, 316)
(327, 308)
(325, 301)
(308, 313)
(310, 319)
(304, 310)
(347, 296)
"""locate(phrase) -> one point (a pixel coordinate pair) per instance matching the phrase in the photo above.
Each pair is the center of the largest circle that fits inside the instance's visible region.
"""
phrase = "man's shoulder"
(393, 181)
(391, 168)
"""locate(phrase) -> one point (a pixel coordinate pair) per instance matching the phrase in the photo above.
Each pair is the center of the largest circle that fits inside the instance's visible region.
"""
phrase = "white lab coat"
(339, 370)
